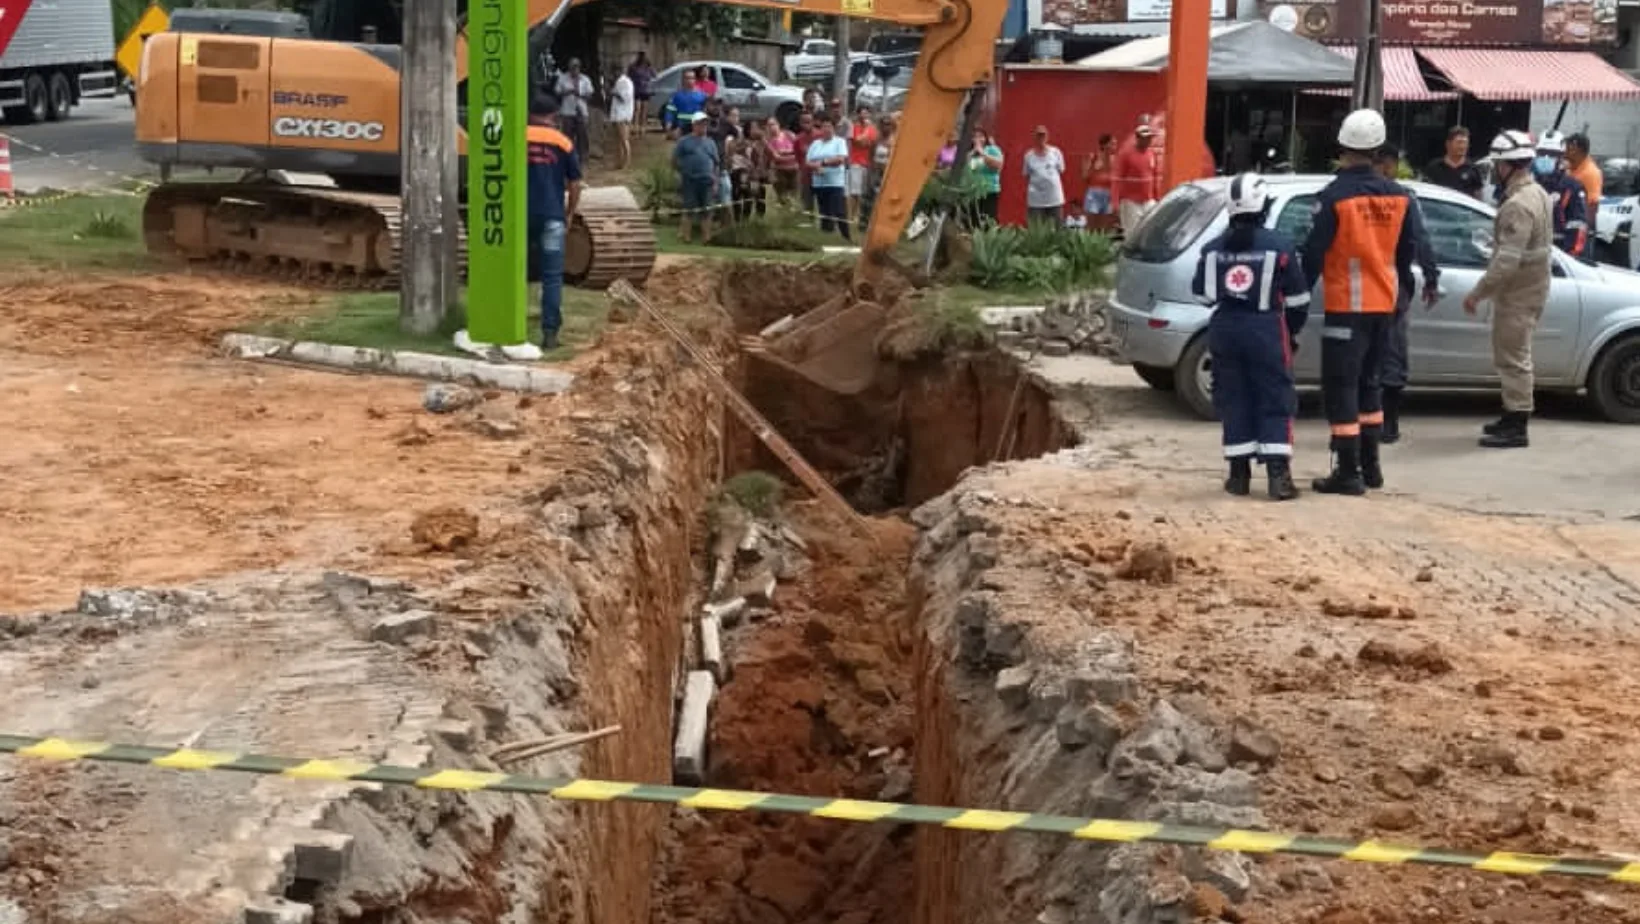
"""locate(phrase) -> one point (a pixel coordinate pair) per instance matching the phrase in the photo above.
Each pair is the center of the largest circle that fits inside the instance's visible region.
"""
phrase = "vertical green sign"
(497, 152)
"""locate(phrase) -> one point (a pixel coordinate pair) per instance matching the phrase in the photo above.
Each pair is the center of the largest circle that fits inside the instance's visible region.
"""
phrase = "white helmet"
(1513, 147)
(1551, 142)
(1363, 130)
(1248, 194)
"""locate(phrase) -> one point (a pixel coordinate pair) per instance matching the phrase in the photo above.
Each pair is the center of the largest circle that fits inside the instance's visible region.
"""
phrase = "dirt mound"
(820, 702)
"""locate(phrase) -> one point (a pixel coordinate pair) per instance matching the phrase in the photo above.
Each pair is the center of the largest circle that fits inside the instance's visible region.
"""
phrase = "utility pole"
(430, 183)
(840, 60)
(1368, 91)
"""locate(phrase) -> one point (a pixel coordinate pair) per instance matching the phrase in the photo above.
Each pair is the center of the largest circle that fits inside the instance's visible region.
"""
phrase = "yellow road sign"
(153, 20)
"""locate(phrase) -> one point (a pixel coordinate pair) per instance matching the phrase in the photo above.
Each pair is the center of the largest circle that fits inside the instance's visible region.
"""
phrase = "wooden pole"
(427, 145)
(840, 62)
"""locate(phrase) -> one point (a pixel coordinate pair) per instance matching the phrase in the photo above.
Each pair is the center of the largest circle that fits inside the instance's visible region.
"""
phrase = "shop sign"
(1073, 13)
(1459, 22)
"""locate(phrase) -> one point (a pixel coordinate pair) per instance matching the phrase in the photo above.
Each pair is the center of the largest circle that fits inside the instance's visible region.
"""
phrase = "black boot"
(1511, 435)
(1372, 473)
(1392, 417)
(1346, 473)
(1496, 426)
(1280, 473)
(1240, 482)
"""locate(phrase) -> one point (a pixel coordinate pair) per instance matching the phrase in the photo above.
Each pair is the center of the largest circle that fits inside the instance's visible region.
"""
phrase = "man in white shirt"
(622, 106)
(574, 89)
(1044, 186)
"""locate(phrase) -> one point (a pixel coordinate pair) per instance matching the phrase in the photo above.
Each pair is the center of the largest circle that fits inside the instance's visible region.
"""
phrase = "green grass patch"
(758, 493)
(372, 320)
(79, 232)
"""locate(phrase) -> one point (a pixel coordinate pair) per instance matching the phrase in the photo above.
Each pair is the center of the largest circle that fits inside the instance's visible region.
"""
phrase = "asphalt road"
(94, 146)
(1578, 466)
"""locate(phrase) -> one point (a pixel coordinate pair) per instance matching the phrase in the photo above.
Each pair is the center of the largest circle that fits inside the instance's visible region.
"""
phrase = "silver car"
(756, 96)
(1589, 339)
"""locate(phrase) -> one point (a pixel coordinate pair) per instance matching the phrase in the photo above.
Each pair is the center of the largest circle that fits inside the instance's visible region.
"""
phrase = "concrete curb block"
(689, 753)
(534, 379)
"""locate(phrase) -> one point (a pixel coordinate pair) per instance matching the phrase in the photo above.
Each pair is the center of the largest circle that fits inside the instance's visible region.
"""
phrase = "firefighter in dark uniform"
(1571, 201)
(1250, 275)
(1362, 244)
(1397, 363)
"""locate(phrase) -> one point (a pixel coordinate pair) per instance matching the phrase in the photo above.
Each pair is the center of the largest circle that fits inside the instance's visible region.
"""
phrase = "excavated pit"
(928, 418)
(822, 697)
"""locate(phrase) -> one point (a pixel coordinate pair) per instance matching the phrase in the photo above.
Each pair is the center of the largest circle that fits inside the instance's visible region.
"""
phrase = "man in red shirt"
(862, 141)
(806, 134)
(1134, 179)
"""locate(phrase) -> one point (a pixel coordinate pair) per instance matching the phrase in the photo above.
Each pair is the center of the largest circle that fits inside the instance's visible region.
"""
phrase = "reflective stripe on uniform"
(1347, 429)
(1237, 450)
(1212, 276)
(1298, 301)
(1268, 276)
(1356, 297)
(1275, 449)
(1336, 333)
(1372, 418)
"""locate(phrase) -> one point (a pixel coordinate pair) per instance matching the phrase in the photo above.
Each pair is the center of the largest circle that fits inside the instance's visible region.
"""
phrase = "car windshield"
(1175, 224)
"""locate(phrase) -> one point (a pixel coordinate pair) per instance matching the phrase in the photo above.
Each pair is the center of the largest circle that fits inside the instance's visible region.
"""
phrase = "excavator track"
(332, 238)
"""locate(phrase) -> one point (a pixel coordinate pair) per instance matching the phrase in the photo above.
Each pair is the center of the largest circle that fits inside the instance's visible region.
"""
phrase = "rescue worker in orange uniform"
(1260, 299)
(1363, 242)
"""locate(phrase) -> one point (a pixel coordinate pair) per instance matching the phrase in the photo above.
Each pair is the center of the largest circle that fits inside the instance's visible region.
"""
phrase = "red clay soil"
(819, 700)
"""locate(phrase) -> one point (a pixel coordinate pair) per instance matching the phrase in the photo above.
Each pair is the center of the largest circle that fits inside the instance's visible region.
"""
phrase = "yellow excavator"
(275, 106)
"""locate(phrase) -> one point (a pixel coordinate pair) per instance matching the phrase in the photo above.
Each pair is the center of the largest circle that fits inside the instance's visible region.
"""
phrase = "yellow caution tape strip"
(1089, 829)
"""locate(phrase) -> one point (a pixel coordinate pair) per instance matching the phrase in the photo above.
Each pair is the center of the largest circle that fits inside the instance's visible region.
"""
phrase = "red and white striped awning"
(1498, 74)
(1402, 80)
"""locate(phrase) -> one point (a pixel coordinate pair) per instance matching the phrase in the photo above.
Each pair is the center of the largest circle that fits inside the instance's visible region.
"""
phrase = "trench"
(823, 694)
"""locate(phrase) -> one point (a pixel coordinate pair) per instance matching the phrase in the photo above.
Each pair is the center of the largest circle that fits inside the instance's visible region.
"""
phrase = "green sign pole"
(497, 154)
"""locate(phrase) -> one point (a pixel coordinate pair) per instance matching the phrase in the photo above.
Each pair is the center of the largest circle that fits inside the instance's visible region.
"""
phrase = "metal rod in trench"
(749, 415)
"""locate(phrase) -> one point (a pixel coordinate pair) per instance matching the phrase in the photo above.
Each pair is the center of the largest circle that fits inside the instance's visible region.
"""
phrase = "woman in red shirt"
(783, 158)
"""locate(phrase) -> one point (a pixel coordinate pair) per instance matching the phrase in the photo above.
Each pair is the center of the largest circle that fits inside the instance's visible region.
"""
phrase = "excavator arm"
(957, 55)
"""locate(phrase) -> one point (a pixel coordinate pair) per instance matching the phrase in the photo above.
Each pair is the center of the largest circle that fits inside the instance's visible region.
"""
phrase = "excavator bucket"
(833, 346)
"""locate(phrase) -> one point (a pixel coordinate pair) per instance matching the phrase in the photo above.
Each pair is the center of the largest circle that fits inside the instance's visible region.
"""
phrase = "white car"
(1614, 222)
(816, 59)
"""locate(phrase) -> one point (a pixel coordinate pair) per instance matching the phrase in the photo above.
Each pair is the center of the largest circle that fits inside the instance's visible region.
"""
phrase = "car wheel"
(1156, 377)
(1194, 379)
(61, 97)
(1614, 382)
(788, 114)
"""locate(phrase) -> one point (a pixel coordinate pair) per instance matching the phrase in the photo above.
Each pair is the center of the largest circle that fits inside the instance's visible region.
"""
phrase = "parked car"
(1589, 337)
(757, 96)
(884, 95)
(816, 59)
(882, 81)
(1614, 223)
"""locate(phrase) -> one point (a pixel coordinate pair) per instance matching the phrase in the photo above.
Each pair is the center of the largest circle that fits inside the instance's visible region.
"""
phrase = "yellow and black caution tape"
(344, 770)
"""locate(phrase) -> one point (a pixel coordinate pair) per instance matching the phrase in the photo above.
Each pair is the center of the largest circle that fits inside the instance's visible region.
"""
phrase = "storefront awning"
(1498, 74)
(1403, 83)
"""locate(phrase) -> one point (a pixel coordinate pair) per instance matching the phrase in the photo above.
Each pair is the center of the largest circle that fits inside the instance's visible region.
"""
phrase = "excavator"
(280, 106)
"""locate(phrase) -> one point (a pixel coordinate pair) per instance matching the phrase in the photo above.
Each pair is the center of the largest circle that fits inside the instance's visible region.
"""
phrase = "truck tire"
(1614, 382)
(36, 105)
(60, 97)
